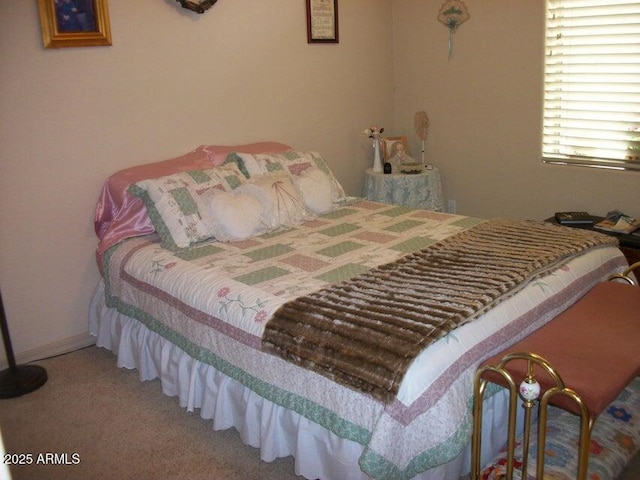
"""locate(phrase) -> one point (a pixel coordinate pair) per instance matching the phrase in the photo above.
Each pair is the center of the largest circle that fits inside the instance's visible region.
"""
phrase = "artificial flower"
(374, 131)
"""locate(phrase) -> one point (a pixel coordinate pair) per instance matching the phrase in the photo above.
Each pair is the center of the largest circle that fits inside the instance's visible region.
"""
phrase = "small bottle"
(387, 167)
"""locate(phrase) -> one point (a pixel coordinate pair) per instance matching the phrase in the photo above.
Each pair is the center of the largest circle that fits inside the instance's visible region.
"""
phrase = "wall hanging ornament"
(200, 6)
(453, 13)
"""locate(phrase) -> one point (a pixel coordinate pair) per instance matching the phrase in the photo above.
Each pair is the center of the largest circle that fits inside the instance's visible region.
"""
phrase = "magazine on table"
(618, 222)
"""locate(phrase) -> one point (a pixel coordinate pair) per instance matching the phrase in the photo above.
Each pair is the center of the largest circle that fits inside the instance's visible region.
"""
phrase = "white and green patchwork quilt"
(213, 300)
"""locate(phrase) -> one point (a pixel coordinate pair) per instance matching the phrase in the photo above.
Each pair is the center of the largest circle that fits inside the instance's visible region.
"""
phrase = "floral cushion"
(292, 162)
(177, 203)
(614, 442)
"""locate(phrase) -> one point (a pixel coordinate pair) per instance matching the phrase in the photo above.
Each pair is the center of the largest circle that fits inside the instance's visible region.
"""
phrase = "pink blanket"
(121, 215)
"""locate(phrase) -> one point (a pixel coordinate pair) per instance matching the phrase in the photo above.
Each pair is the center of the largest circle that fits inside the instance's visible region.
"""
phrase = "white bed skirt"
(274, 430)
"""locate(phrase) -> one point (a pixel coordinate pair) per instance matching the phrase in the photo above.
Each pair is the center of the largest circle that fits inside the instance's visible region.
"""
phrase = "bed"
(192, 296)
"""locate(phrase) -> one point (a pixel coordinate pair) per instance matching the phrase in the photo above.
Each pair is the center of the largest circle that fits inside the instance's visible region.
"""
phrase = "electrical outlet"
(451, 206)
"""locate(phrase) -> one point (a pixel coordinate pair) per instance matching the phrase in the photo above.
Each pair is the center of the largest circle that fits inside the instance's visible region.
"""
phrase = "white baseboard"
(65, 345)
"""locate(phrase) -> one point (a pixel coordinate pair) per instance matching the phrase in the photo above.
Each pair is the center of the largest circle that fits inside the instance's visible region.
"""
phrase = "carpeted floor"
(121, 428)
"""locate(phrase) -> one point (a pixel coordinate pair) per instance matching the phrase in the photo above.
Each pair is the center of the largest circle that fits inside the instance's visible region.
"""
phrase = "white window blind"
(592, 83)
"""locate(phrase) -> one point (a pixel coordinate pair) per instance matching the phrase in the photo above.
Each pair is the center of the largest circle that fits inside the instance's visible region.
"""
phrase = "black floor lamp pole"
(17, 379)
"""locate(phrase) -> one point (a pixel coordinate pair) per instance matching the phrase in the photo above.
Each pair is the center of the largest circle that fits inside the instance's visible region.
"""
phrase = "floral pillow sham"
(177, 204)
(250, 194)
(293, 162)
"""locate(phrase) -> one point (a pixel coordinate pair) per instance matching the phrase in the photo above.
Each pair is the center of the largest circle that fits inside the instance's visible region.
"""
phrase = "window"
(592, 83)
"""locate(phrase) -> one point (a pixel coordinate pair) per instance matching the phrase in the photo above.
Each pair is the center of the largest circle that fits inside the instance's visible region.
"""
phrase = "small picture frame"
(322, 21)
(389, 145)
(74, 23)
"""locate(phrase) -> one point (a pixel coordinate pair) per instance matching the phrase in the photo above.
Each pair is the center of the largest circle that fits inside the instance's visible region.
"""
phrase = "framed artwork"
(322, 21)
(390, 146)
(74, 23)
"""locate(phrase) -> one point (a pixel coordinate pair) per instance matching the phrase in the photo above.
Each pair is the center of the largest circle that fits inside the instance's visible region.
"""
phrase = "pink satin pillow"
(217, 154)
(121, 215)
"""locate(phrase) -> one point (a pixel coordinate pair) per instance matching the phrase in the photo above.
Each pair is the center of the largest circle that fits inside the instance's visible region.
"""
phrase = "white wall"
(172, 80)
(243, 72)
(485, 112)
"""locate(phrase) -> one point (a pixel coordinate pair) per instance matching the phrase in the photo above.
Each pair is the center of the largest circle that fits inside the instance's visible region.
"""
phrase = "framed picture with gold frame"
(389, 145)
(74, 23)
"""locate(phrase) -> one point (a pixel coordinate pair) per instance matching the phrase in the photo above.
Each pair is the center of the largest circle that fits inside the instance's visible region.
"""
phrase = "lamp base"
(24, 379)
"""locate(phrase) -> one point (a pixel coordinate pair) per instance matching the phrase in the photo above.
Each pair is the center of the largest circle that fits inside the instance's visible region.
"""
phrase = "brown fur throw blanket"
(364, 332)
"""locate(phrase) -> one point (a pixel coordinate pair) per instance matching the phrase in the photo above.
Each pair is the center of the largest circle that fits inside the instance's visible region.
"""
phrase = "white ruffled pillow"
(281, 202)
(293, 162)
(315, 189)
(234, 216)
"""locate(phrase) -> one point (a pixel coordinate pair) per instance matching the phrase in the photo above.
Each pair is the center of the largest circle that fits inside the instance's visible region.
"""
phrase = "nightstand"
(419, 190)
(629, 244)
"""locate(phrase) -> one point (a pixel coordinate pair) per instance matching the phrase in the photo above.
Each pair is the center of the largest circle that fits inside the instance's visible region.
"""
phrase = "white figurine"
(403, 160)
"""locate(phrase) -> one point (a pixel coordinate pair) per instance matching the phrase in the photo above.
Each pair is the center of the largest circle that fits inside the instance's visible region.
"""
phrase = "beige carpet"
(122, 428)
